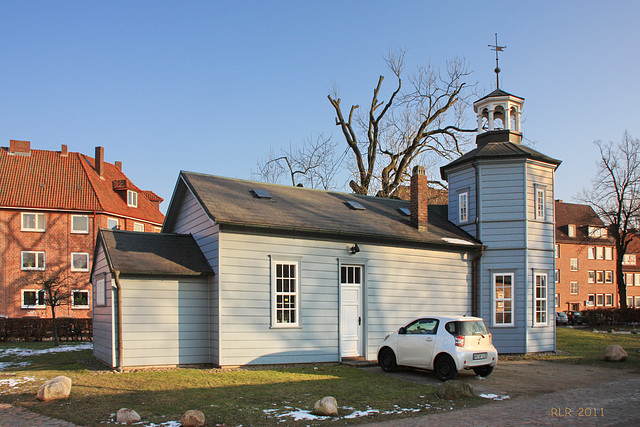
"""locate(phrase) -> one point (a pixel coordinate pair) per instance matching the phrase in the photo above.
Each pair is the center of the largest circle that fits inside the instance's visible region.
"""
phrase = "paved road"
(612, 404)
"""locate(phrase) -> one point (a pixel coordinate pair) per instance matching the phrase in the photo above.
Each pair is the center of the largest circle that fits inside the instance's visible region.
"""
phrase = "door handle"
(428, 339)
(359, 320)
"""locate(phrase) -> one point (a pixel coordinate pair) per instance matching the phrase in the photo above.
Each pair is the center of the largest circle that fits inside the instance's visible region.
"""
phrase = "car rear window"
(467, 328)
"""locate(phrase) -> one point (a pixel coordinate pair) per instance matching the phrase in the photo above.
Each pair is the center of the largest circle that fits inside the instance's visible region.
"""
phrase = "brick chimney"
(99, 162)
(119, 165)
(64, 152)
(19, 148)
(419, 198)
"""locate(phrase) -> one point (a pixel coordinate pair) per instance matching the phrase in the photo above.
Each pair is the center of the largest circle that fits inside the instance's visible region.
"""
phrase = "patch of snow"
(14, 382)
(302, 415)
(7, 365)
(494, 396)
(457, 241)
(357, 414)
(23, 352)
(479, 377)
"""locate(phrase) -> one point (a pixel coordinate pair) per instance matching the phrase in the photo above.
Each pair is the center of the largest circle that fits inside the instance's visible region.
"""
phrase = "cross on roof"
(497, 48)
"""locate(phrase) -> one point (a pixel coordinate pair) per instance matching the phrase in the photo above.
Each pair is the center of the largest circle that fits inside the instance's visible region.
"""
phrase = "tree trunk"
(54, 325)
(622, 287)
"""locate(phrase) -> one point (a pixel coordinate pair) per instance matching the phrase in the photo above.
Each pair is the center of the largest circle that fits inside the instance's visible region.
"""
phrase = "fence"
(37, 329)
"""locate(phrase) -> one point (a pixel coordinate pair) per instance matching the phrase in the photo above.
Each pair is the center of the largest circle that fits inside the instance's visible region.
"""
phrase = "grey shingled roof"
(500, 150)
(308, 211)
(154, 253)
(497, 93)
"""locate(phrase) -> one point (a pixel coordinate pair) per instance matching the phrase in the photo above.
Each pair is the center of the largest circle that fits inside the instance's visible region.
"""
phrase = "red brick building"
(631, 270)
(585, 260)
(52, 204)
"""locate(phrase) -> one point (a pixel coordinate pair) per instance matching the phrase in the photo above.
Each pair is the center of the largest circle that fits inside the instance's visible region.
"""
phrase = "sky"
(212, 86)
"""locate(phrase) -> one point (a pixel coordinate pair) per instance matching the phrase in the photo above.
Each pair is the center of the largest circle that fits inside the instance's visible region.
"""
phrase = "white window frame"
(636, 279)
(37, 293)
(591, 300)
(138, 225)
(541, 300)
(540, 202)
(591, 252)
(630, 302)
(571, 231)
(100, 291)
(79, 231)
(73, 299)
(557, 300)
(599, 276)
(463, 207)
(573, 263)
(599, 300)
(157, 229)
(591, 278)
(628, 279)
(557, 251)
(608, 300)
(629, 259)
(599, 252)
(496, 301)
(78, 254)
(36, 228)
(276, 294)
(608, 276)
(557, 275)
(37, 265)
(112, 220)
(574, 288)
(637, 302)
(132, 199)
(608, 253)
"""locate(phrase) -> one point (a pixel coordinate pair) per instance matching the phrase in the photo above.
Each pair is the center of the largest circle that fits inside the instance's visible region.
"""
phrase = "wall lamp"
(354, 249)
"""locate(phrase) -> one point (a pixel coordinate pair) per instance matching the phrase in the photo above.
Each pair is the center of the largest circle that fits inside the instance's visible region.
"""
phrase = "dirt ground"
(516, 378)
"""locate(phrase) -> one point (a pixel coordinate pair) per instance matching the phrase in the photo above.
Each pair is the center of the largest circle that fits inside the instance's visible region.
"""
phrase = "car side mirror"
(402, 330)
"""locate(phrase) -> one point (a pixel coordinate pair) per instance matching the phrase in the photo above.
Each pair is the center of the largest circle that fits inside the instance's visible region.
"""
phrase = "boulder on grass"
(192, 418)
(327, 406)
(453, 389)
(615, 353)
(127, 416)
(57, 388)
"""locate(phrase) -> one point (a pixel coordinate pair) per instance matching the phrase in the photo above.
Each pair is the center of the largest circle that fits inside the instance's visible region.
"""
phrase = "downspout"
(475, 283)
(116, 276)
(476, 278)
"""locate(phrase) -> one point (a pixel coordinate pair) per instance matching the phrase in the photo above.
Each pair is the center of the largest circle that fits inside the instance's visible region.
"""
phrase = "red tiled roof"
(48, 180)
(581, 216)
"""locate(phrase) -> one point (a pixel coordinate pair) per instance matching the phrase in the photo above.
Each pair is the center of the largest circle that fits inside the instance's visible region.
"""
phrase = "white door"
(351, 321)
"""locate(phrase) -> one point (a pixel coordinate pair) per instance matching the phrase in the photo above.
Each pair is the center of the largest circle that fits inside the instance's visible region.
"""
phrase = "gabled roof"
(326, 214)
(582, 216)
(157, 254)
(500, 150)
(497, 93)
(49, 180)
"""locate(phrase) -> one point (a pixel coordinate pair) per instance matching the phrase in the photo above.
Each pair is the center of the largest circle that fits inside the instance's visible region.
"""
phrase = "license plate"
(479, 356)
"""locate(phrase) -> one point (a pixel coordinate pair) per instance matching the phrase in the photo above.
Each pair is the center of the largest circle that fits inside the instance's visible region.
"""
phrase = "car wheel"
(483, 371)
(387, 360)
(445, 368)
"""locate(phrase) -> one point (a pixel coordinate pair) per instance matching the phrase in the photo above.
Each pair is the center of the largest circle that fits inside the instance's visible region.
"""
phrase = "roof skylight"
(355, 205)
(262, 194)
(405, 211)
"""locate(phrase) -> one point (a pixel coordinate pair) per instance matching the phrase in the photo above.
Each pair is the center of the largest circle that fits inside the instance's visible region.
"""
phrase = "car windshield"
(472, 327)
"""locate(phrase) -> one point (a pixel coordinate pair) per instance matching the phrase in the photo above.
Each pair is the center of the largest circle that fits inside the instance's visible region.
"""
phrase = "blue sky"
(211, 86)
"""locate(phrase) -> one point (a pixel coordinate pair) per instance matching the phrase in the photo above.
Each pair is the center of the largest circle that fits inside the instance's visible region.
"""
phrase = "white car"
(445, 345)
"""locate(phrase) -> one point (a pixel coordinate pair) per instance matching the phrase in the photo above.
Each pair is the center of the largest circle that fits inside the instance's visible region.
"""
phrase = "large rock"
(615, 353)
(192, 418)
(327, 406)
(57, 388)
(127, 416)
(453, 389)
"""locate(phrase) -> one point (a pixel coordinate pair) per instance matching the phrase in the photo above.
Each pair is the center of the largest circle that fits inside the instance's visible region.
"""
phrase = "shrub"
(37, 329)
(611, 316)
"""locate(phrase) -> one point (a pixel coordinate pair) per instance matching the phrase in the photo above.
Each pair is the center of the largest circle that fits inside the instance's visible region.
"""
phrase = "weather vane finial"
(496, 48)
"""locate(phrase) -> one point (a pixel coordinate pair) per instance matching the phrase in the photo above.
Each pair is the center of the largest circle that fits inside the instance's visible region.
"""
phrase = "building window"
(33, 260)
(32, 221)
(557, 251)
(574, 264)
(599, 276)
(572, 230)
(557, 300)
(137, 226)
(600, 300)
(285, 285)
(132, 199)
(541, 299)
(629, 259)
(503, 299)
(636, 279)
(79, 261)
(574, 288)
(113, 223)
(608, 253)
(33, 298)
(628, 279)
(637, 302)
(463, 206)
(608, 299)
(80, 299)
(592, 277)
(608, 277)
(597, 232)
(591, 252)
(100, 292)
(599, 252)
(540, 203)
(591, 301)
(80, 224)
(557, 276)
(630, 302)
(157, 229)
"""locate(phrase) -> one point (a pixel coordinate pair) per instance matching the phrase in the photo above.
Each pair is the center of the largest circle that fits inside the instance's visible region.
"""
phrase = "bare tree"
(310, 164)
(56, 292)
(426, 119)
(615, 196)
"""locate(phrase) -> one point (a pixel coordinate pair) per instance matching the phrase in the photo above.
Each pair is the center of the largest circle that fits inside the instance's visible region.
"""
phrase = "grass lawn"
(269, 396)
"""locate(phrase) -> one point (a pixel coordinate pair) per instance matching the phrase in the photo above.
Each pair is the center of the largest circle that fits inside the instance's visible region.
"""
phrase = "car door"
(415, 345)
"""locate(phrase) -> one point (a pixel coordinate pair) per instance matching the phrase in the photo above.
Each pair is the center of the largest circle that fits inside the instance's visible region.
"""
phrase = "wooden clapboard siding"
(103, 319)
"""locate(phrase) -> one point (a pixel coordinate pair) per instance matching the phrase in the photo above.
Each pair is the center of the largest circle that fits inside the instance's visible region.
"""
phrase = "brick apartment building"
(52, 204)
(631, 270)
(585, 260)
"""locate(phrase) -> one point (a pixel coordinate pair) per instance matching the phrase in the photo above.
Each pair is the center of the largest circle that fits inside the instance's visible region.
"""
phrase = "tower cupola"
(498, 117)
